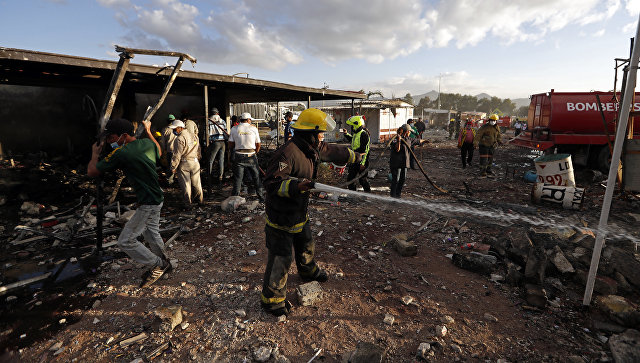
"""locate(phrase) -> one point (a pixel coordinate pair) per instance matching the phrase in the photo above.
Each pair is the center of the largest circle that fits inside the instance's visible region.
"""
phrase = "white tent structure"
(382, 117)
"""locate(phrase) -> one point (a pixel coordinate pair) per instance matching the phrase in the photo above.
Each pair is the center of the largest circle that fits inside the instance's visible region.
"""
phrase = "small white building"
(382, 117)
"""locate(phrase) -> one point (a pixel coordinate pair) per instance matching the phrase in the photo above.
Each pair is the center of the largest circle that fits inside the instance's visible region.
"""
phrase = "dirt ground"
(218, 279)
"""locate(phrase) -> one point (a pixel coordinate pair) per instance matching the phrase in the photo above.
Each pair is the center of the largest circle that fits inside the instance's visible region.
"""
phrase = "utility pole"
(439, 80)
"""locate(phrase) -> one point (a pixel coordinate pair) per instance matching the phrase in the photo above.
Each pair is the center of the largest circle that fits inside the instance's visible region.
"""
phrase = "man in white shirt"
(518, 127)
(244, 143)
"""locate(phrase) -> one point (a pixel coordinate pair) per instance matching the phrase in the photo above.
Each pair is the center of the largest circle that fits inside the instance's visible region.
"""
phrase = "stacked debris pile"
(549, 262)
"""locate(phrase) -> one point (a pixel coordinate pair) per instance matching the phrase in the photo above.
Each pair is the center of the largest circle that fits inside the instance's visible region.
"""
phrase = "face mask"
(175, 133)
(492, 122)
(115, 145)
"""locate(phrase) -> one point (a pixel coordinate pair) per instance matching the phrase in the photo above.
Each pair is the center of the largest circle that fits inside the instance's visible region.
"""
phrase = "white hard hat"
(245, 116)
(176, 123)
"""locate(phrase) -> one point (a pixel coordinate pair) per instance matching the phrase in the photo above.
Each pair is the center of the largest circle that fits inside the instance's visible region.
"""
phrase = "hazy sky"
(505, 48)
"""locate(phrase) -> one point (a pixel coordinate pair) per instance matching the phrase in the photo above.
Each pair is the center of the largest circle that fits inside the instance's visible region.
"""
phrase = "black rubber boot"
(277, 309)
(320, 276)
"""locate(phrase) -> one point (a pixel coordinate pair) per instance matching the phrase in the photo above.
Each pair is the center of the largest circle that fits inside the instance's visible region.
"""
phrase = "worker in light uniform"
(288, 181)
(487, 139)
(189, 124)
(166, 145)
(185, 164)
(244, 143)
(360, 143)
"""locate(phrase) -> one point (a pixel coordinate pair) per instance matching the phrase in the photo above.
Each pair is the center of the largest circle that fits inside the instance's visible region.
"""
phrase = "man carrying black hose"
(399, 158)
(288, 180)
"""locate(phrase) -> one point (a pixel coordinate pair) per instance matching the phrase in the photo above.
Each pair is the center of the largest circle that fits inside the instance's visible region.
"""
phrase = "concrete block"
(536, 295)
(560, 261)
(309, 293)
(232, 203)
(626, 346)
(403, 247)
(167, 318)
(365, 353)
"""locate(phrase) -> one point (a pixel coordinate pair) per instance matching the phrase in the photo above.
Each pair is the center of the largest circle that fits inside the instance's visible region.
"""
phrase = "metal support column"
(613, 168)
(151, 111)
(277, 124)
(206, 114)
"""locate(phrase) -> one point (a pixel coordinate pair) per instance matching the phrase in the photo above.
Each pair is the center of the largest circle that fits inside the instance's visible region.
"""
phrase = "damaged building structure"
(50, 118)
(50, 101)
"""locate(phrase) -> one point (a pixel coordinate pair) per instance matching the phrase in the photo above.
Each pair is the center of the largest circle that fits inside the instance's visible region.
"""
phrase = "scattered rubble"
(511, 281)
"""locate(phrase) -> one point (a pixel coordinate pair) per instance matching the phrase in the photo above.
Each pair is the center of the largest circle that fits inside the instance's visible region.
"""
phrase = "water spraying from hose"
(501, 217)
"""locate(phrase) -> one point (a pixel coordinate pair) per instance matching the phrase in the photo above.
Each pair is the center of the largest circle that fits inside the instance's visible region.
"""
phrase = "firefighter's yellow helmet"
(313, 119)
(356, 121)
(493, 117)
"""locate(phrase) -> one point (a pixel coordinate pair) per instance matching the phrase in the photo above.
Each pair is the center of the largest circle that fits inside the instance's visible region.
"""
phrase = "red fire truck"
(504, 123)
(571, 122)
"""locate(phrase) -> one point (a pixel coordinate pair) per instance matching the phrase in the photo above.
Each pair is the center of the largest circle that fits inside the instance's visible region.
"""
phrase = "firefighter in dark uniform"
(287, 183)
(360, 143)
(488, 138)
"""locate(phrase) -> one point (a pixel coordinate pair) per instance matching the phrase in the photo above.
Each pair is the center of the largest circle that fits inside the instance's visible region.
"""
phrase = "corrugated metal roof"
(27, 67)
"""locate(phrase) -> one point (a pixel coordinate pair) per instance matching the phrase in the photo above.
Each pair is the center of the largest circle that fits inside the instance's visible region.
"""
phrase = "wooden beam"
(6, 288)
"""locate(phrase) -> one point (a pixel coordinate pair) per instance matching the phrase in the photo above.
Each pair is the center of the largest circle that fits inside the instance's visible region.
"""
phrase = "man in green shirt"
(137, 159)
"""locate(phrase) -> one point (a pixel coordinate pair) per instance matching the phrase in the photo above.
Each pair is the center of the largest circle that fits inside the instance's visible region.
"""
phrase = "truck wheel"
(603, 159)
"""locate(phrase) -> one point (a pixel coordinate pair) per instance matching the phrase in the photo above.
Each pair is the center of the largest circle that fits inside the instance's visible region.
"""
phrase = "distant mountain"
(431, 94)
(521, 102)
(482, 96)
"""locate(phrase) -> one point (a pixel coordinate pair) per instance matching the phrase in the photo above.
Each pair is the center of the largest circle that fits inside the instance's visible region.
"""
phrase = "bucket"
(568, 197)
(530, 176)
(556, 169)
(338, 168)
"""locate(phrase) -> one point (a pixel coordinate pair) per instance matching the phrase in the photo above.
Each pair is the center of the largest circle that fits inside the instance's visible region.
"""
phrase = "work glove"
(362, 167)
(305, 185)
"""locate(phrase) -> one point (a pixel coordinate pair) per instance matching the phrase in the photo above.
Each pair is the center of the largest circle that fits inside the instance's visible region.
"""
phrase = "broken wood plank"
(28, 240)
(137, 338)
(4, 289)
(115, 191)
(175, 235)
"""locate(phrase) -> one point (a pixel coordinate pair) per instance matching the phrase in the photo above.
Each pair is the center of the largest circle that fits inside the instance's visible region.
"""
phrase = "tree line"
(458, 102)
